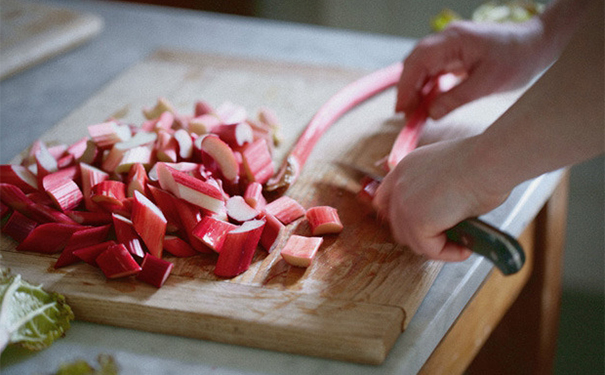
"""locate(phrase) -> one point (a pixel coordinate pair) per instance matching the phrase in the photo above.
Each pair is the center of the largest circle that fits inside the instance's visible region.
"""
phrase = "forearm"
(558, 121)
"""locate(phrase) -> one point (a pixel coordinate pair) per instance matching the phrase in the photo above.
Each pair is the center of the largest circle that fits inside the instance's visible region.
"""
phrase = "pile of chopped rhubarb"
(126, 194)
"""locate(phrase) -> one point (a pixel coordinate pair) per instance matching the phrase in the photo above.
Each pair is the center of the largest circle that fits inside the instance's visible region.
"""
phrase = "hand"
(491, 58)
(432, 189)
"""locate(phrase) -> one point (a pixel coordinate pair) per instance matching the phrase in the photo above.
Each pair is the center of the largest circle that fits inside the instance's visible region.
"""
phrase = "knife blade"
(502, 249)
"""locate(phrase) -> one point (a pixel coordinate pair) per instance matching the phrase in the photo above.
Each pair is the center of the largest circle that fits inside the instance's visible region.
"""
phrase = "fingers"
(435, 247)
(476, 85)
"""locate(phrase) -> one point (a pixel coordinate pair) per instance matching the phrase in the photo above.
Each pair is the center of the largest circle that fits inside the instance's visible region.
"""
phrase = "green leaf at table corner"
(30, 316)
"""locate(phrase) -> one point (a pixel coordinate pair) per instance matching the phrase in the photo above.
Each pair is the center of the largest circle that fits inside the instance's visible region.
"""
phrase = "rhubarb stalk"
(344, 100)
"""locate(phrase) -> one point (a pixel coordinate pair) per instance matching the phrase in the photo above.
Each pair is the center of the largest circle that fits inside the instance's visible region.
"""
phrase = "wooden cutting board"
(360, 292)
(32, 32)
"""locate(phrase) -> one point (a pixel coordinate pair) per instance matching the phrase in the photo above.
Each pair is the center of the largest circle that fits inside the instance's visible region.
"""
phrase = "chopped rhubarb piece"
(116, 262)
(66, 161)
(82, 238)
(324, 220)
(257, 161)
(285, 209)
(167, 204)
(18, 226)
(221, 153)
(127, 235)
(45, 163)
(189, 217)
(64, 192)
(4, 210)
(154, 271)
(202, 108)
(136, 180)
(41, 197)
(89, 254)
(272, 232)
(13, 197)
(90, 217)
(345, 99)
(299, 251)
(368, 189)
(166, 147)
(253, 195)
(204, 124)
(92, 154)
(185, 144)
(178, 247)
(161, 106)
(30, 159)
(212, 231)
(76, 149)
(165, 121)
(196, 191)
(239, 211)
(235, 135)
(109, 133)
(238, 249)
(91, 176)
(269, 118)
(109, 194)
(231, 113)
(57, 151)
(49, 238)
(136, 155)
(150, 223)
(19, 176)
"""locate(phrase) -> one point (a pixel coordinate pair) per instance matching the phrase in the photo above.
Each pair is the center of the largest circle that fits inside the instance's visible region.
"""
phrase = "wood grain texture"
(32, 32)
(353, 301)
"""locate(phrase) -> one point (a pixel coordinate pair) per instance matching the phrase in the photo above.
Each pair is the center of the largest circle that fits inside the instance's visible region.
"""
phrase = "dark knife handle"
(501, 248)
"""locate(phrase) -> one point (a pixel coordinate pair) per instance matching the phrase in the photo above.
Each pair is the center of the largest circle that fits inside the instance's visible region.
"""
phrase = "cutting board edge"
(300, 323)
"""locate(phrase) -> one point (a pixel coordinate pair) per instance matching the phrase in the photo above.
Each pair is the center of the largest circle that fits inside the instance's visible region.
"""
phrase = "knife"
(502, 249)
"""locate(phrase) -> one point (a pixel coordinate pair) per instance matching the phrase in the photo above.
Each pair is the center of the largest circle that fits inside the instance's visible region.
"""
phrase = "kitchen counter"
(33, 101)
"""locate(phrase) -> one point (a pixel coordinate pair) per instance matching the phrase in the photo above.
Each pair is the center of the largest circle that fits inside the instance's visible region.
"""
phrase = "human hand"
(432, 189)
(490, 57)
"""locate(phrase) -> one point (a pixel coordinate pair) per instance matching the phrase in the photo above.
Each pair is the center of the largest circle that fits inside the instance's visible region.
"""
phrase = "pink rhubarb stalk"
(150, 223)
(154, 270)
(324, 220)
(18, 226)
(178, 247)
(344, 100)
(272, 232)
(64, 192)
(212, 231)
(128, 236)
(238, 249)
(299, 251)
(257, 161)
(285, 209)
(49, 238)
(408, 137)
(116, 262)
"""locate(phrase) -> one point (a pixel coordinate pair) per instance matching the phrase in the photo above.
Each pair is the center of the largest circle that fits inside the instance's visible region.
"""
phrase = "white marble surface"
(35, 100)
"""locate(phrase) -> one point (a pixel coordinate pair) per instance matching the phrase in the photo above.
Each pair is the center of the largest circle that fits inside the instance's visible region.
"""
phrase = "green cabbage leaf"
(30, 316)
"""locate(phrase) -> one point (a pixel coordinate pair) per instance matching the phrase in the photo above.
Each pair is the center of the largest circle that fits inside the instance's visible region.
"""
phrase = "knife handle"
(501, 248)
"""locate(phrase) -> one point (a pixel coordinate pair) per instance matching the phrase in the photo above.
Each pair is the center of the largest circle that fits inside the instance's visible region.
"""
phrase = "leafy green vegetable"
(108, 366)
(30, 316)
(492, 11)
